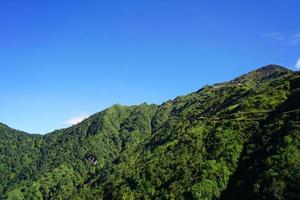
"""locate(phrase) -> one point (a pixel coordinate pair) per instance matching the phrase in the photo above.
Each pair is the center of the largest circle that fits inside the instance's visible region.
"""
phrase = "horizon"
(63, 61)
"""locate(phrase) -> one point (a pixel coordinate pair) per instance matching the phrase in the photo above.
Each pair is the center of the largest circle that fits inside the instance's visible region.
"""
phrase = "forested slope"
(234, 140)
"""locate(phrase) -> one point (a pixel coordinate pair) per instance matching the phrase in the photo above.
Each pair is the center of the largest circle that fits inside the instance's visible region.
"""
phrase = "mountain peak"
(265, 72)
(273, 68)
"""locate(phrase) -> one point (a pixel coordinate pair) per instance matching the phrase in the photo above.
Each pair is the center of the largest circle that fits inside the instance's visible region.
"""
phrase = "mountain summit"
(268, 71)
(235, 140)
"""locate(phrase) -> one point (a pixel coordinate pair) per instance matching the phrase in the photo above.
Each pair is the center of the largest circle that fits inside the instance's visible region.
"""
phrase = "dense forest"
(233, 140)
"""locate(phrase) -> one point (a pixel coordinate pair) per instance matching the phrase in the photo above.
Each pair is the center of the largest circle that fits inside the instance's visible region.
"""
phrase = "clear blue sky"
(61, 59)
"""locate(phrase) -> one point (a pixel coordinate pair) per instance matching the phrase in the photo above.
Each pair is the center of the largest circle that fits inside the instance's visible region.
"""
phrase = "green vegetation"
(234, 140)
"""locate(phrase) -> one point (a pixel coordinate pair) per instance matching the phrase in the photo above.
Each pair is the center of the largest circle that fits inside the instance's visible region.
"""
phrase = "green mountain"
(233, 140)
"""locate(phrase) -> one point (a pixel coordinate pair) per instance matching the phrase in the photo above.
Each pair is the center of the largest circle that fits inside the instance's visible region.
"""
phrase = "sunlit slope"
(222, 142)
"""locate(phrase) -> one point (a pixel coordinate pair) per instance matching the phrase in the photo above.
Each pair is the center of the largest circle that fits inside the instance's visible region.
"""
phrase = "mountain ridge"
(271, 68)
(192, 147)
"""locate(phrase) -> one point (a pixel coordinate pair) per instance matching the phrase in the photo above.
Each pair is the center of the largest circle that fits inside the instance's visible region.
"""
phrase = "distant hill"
(233, 140)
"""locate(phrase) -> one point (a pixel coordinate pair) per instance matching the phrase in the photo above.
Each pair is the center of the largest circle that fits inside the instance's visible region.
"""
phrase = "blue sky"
(63, 60)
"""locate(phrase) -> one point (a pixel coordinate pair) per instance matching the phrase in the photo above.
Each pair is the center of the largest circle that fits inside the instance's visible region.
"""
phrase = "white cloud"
(294, 40)
(75, 120)
(284, 40)
(297, 65)
(277, 36)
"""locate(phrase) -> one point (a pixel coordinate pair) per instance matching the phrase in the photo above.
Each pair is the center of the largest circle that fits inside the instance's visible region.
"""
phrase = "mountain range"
(233, 140)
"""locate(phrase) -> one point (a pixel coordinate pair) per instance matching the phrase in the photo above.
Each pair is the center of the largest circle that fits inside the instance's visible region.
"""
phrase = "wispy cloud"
(294, 40)
(297, 65)
(284, 40)
(277, 36)
(75, 120)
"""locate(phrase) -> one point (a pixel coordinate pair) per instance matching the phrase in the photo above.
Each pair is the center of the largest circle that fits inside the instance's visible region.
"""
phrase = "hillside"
(233, 140)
